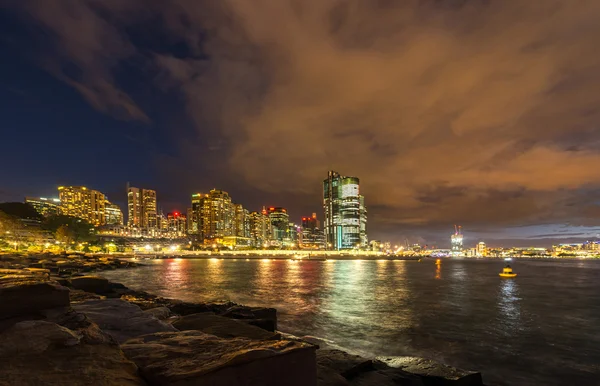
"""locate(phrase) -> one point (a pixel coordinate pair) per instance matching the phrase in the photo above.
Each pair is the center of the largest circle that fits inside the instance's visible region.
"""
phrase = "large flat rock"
(432, 372)
(347, 365)
(222, 327)
(196, 358)
(28, 295)
(34, 353)
(93, 284)
(120, 319)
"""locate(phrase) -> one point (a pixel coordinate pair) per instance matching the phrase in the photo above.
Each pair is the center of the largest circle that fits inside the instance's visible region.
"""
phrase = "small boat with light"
(507, 272)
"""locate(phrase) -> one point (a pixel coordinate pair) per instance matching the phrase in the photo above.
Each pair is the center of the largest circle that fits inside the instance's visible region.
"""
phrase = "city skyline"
(507, 149)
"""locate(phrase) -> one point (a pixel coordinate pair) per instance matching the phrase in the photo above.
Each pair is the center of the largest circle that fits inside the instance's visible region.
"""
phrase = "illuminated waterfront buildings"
(141, 208)
(345, 212)
(213, 215)
(280, 221)
(260, 228)
(456, 239)
(44, 206)
(481, 249)
(241, 221)
(84, 203)
(113, 214)
(176, 224)
(312, 235)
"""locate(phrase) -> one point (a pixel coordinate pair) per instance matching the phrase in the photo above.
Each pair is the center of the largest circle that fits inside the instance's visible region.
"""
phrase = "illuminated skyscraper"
(141, 208)
(260, 228)
(44, 206)
(241, 221)
(177, 224)
(113, 214)
(457, 241)
(481, 249)
(280, 221)
(84, 203)
(345, 212)
(213, 214)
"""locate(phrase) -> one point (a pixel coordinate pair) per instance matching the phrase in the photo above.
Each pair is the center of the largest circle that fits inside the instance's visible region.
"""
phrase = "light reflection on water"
(542, 327)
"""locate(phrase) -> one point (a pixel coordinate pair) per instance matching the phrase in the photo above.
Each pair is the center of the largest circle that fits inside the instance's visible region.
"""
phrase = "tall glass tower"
(345, 212)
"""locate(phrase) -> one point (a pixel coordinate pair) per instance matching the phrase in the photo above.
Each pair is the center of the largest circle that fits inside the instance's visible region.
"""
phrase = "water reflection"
(438, 270)
(509, 302)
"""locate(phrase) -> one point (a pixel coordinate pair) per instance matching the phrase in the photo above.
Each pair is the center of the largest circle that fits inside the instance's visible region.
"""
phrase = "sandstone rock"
(78, 296)
(329, 377)
(196, 358)
(35, 337)
(432, 372)
(265, 318)
(21, 295)
(184, 308)
(345, 364)
(77, 365)
(160, 313)
(94, 284)
(121, 319)
(222, 327)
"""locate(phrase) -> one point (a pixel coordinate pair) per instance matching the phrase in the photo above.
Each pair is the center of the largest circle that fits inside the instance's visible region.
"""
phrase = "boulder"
(184, 308)
(23, 295)
(329, 377)
(160, 313)
(222, 327)
(196, 358)
(78, 296)
(93, 284)
(433, 373)
(265, 318)
(347, 365)
(35, 336)
(390, 377)
(120, 319)
(36, 353)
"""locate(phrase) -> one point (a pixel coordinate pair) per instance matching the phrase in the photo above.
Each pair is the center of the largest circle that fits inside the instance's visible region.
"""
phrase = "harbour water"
(541, 328)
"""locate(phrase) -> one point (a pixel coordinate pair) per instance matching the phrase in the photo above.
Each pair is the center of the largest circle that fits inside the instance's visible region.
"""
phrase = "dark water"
(542, 328)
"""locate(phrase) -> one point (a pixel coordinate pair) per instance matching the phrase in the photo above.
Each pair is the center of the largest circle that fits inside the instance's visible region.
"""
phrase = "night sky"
(481, 113)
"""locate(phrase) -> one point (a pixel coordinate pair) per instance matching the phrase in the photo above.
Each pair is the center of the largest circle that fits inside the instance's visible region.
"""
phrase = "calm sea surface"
(541, 328)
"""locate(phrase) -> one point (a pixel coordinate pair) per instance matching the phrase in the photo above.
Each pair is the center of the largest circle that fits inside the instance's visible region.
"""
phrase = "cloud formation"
(448, 111)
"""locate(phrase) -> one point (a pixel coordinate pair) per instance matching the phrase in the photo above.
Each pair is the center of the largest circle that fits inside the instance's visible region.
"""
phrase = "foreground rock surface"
(432, 372)
(120, 319)
(44, 353)
(196, 358)
(25, 297)
(222, 327)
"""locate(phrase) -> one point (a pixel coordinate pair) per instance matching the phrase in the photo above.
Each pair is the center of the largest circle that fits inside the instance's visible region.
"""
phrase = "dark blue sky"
(482, 114)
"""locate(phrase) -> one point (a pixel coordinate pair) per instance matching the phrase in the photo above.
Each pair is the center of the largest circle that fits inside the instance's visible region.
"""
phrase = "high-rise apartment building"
(213, 214)
(260, 228)
(177, 224)
(45, 206)
(241, 221)
(456, 240)
(79, 201)
(280, 222)
(113, 214)
(141, 208)
(345, 212)
(312, 235)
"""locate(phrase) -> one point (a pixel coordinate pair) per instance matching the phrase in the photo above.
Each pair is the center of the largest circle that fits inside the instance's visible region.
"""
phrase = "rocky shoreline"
(59, 326)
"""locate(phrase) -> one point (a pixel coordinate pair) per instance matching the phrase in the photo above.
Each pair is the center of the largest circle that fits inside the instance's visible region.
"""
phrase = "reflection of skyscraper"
(345, 212)
(457, 240)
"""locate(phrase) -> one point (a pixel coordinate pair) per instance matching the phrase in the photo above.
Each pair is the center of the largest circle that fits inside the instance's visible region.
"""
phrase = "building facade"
(456, 241)
(177, 224)
(113, 214)
(213, 215)
(280, 223)
(311, 236)
(345, 223)
(260, 229)
(142, 208)
(84, 203)
(45, 206)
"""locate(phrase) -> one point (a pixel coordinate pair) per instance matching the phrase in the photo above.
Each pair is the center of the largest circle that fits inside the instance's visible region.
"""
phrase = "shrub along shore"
(62, 325)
